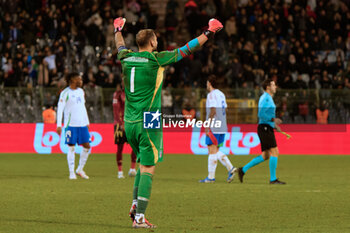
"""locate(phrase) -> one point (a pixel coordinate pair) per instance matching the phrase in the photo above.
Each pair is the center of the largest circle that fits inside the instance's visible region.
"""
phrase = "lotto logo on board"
(46, 140)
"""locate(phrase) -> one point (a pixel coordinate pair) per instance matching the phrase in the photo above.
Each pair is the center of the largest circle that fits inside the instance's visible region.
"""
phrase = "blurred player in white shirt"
(216, 109)
(76, 122)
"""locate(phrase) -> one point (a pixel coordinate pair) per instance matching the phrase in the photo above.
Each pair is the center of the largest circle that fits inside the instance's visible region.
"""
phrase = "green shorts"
(147, 144)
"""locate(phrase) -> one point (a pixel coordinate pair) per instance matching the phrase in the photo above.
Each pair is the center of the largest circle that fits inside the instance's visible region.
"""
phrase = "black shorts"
(119, 135)
(267, 137)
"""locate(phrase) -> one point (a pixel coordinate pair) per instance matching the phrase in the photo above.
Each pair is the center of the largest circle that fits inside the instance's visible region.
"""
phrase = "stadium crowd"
(300, 44)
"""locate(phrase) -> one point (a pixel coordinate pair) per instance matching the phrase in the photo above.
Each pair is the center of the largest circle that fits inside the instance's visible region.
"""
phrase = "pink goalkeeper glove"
(215, 25)
(119, 24)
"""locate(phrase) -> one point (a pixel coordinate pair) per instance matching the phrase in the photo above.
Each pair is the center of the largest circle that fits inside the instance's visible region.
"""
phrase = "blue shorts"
(215, 139)
(77, 135)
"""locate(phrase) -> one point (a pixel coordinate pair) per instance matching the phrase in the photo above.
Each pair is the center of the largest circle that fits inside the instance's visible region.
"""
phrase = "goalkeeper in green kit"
(143, 78)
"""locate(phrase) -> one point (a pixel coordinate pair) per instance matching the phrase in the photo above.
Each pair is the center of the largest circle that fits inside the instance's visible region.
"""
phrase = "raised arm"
(119, 40)
(118, 37)
(169, 57)
(213, 27)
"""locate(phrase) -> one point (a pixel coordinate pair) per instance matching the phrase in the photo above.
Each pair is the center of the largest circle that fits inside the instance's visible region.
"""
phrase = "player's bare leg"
(82, 161)
(143, 195)
(265, 154)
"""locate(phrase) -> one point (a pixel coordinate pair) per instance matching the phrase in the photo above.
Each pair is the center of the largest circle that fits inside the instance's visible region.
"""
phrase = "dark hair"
(266, 83)
(212, 80)
(144, 36)
(70, 76)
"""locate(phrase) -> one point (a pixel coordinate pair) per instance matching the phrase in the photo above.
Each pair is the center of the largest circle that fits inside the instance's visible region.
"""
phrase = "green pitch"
(36, 196)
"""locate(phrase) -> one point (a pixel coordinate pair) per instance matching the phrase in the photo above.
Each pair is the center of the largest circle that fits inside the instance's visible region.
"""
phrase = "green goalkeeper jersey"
(143, 79)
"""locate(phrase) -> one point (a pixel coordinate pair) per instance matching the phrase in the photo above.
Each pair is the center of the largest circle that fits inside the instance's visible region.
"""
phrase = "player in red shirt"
(119, 131)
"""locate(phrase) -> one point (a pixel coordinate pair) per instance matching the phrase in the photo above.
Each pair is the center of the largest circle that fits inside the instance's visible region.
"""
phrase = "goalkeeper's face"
(154, 43)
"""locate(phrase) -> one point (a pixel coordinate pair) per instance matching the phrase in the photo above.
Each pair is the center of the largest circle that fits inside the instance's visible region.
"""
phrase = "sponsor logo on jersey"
(136, 59)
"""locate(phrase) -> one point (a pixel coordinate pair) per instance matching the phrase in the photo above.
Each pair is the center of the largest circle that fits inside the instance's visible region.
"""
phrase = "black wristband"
(116, 30)
(208, 34)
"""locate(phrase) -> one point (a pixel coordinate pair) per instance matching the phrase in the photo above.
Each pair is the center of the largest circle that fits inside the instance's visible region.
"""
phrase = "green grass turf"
(36, 196)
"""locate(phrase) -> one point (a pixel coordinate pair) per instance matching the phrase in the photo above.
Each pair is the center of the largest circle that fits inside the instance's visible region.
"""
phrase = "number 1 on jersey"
(132, 80)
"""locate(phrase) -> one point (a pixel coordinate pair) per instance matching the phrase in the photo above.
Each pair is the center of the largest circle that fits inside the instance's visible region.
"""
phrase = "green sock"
(144, 192)
(136, 185)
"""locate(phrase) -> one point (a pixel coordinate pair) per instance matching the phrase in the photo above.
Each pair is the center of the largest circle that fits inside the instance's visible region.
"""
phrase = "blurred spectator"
(237, 72)
(304, 110)
(326, 82)
(33, 72)
(300, 83)
(111, 81)
(110, 33)
(172, 7)
(192, 15)
(167, 102)
(307, 38)
(188, 112)
(89, 78)
(322, 114)
(134, 6)
(170, 24)
(283, 108)
(231, 27)
(49, 115)
(101, 76)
